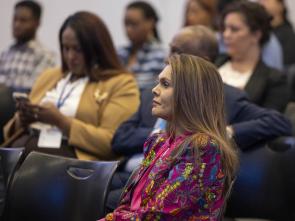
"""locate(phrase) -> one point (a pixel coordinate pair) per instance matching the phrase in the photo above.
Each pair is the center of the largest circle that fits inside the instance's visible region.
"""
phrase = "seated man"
(23, 61)
(248, 124)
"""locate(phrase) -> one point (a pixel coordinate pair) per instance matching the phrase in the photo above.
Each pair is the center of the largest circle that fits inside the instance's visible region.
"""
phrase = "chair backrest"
(259, 190)
(9, 159)
(7, 107)
(48, 188)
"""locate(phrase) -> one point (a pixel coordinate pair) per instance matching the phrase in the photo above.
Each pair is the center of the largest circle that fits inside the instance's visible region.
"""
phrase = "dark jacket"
(267, 87)
(286, 36)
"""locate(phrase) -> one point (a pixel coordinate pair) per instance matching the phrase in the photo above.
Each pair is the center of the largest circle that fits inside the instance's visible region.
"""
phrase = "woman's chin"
(154, 113)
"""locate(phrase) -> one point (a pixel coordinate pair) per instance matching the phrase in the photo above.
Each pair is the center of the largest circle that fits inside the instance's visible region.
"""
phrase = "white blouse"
(234, 78)
(66, 95)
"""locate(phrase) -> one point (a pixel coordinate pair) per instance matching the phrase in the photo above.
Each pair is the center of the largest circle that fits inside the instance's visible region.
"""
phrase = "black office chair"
(7, 107)
(48, 188)
(9, 161)
(260, 187)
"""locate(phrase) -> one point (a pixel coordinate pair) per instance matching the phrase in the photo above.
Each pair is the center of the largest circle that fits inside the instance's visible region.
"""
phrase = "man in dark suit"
(248, 124)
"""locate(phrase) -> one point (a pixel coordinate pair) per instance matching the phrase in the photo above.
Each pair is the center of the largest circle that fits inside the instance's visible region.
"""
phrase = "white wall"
(55, 11)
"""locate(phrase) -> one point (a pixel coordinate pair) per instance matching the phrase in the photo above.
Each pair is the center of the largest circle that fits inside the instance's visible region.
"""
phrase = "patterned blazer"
(185, 188)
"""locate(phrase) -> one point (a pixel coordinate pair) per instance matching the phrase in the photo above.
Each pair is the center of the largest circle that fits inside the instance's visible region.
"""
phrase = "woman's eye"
(165, 84)
(234, 29)
(78, 49)
(65, 48)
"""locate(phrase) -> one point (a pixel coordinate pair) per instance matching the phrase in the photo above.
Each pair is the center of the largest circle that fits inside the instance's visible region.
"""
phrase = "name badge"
(50, 137)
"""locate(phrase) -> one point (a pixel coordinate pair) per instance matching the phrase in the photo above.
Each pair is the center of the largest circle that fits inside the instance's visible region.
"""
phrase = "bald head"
(195, 40)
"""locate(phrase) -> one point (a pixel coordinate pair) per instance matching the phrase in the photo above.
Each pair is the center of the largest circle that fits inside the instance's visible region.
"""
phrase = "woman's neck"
(75, 77)
(247, 61)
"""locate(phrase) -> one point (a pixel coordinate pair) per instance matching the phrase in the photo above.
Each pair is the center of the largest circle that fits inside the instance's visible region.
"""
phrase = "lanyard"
(62, 98)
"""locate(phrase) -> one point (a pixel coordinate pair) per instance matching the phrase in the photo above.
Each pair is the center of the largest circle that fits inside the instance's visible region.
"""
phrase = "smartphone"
(20, 97)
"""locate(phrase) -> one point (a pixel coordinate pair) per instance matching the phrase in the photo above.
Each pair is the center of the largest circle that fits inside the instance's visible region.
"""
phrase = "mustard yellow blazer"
(104, 105)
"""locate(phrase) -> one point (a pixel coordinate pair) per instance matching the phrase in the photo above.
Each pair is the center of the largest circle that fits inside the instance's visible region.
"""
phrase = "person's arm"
(272, 53)
(191, 186)
(253, 124)
(131, 135)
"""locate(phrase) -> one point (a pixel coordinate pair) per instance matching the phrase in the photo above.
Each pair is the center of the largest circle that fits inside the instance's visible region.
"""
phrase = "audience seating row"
(47, 187)
(264, 187)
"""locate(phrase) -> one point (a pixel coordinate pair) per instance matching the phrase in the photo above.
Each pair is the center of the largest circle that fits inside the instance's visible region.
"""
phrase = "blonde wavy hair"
(198, 100)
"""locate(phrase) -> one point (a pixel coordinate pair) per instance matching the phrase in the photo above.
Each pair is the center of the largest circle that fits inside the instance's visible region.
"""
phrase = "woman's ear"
(150, 23)
(257, 36)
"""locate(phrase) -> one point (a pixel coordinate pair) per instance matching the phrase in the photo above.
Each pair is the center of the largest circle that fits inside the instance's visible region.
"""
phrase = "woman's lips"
(155, 103)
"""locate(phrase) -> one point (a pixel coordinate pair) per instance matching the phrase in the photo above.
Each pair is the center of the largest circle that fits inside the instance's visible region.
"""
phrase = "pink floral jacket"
(185, 189)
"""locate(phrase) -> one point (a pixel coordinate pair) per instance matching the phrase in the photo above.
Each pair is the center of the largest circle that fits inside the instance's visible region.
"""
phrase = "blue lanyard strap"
(62, 99)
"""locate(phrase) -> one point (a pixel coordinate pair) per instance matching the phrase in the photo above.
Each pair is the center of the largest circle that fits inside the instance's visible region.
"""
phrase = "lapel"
(257, 82)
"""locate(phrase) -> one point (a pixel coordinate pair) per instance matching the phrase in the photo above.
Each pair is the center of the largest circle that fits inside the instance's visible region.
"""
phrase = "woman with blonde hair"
(187, 170)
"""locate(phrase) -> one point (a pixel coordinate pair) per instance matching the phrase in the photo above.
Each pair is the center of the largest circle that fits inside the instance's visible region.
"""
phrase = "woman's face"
(163, 92)
(137, 27)
(72, 52)
(238, 37)
(196, 14)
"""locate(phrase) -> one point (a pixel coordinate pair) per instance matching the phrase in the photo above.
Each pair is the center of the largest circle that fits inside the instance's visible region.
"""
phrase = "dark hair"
(148, 12)
(95, 41)
(33, 6)
(255, 15)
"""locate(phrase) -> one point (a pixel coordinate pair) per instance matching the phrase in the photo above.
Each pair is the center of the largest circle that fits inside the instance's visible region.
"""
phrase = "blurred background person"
(201, 12)
(245, 29)
(144, 56)
(74, 110)
(23, 61)
(282, 28)
(271, 51)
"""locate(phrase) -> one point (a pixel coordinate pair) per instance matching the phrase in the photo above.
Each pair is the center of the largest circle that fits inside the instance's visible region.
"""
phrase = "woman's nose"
(155, 90)
(226, 33)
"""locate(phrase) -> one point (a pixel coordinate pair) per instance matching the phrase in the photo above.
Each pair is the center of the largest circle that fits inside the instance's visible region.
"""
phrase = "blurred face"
(197, 15)
(238, 37)
(163, 92)
(137, 27)
(72, 52)
(24, 24)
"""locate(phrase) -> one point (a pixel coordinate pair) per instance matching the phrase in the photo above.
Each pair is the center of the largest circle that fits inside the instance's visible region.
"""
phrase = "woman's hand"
(25, 112)
(48, 113)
